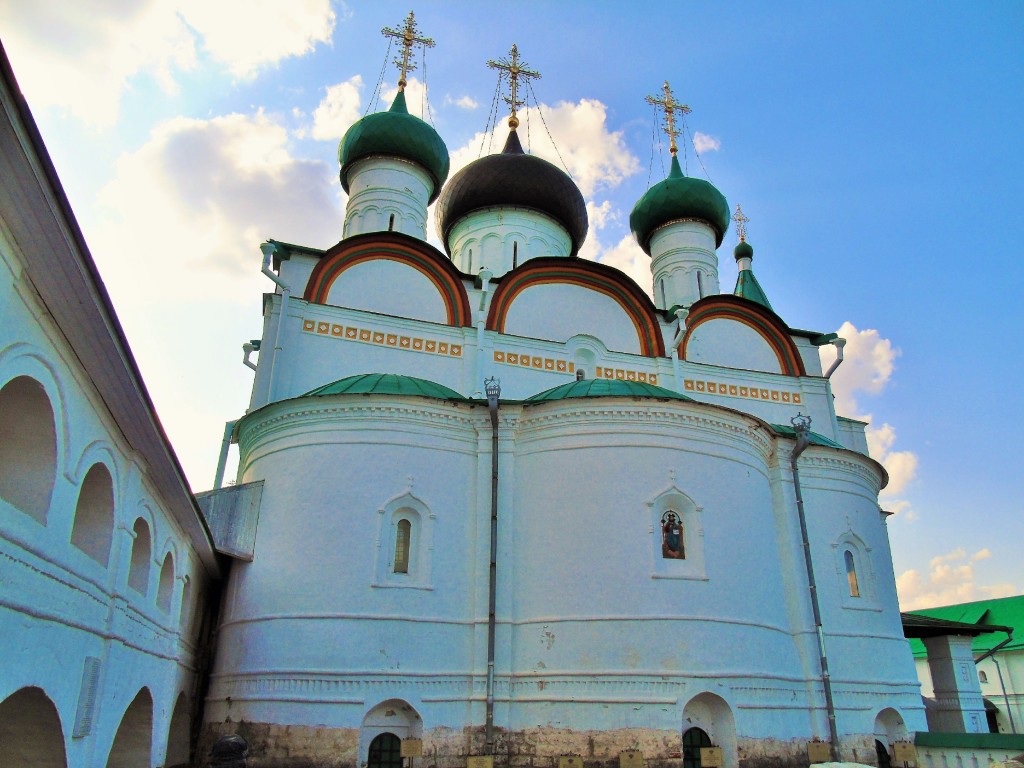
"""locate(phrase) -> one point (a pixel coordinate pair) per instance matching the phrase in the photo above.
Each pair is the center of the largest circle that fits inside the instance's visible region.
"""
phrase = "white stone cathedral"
(614, 553)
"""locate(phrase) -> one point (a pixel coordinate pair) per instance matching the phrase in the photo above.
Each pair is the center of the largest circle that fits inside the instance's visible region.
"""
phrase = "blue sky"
(874, 146)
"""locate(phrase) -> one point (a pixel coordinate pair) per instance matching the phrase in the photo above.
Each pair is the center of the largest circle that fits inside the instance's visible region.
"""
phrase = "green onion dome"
(678, 197)
(743, 250)
(399, 134)
(513, 179)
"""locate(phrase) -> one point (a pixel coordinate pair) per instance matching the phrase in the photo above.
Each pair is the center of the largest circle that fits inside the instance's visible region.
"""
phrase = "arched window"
(694, 739)
(391, 223)
(166, 585)
(515, 254)
(661, 286)
(403, 541)
(186, 607)
(700, 285)
(385, 752)
(94, 515)
(851, 574)
(28, 447)
(138, 573)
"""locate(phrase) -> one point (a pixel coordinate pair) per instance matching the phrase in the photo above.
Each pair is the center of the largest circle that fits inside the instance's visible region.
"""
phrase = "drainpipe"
(222, 460)
(269, 249)
(677, 373)
(838, 343)
(485, 285)
(1006, 699)
(802, 425)
(492, 387)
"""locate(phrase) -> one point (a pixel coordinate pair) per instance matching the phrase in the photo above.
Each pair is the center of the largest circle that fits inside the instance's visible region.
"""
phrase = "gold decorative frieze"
(382, 338)
(701, 386)
(623, 374)
(534, 361)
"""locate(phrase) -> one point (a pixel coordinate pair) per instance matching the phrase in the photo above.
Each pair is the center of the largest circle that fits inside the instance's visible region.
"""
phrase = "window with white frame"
(404, 543)
(676, 535)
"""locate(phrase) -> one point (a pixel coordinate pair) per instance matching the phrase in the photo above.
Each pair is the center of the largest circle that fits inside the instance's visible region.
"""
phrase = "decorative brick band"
(534, 361)
(624, 374)
(701, 386)
(381, 338)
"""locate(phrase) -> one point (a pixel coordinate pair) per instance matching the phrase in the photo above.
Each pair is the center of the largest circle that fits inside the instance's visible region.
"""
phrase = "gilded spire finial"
(517, 70)
(741, 223)
(671, 107)
(407, 37)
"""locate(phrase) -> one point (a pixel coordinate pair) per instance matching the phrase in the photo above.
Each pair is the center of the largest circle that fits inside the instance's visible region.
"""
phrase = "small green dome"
(743, 250)
(396, 133)
(605, 388)
(678, 197)
(385, 384)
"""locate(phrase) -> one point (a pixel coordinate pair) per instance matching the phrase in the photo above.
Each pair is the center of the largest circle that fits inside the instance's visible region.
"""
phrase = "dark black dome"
(513, 179)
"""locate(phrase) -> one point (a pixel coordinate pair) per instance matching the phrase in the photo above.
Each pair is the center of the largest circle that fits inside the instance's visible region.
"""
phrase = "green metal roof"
(748, 288)
(385, 384)
(605, 388)
(678, 197)
(397, 133)
(816, 439)
(1006, 611)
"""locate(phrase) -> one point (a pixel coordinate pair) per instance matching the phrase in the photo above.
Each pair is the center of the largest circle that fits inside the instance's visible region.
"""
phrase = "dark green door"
(385, 752)
(693, 740)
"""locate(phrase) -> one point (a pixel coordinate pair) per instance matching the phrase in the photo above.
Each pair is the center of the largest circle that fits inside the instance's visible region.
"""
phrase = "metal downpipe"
(493, 389)
(802, 425)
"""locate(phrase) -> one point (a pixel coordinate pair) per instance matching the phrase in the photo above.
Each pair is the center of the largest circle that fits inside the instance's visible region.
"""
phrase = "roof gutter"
(270, 249)
(493, 389)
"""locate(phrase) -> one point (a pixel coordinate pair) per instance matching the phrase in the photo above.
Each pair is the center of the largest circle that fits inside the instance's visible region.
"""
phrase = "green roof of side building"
(1006, 611)
(385, 384)
(399, 134)
(605, 388)
(678, 197)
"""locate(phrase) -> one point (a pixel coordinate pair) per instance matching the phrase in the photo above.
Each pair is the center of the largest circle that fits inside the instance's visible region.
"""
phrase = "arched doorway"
(394, 719)
(385, 752)
(710, 715)
(882, 755)
(133, 742)
(693, 740)
(178, 735)
(30, 731)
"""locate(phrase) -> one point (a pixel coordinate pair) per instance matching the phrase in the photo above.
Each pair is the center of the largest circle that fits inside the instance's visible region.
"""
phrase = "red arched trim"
(588, 274)
(766, 323)
(393, 247)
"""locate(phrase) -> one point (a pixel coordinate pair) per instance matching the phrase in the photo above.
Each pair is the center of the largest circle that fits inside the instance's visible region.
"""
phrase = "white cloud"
(597, 157)
(868, 365)
(702, 142)
(951, 578)
(340, 107)
(177, 243)
(628, 256)
(245, 35)
(83, 56)
(600, 215)
(462, 102)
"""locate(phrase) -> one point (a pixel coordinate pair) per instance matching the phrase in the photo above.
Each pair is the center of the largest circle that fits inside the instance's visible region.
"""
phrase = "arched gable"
(394, 247)
(605, 280)
(762, 321)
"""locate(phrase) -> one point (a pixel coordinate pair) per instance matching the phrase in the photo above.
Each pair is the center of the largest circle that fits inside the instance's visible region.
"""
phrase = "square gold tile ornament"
(631, 758)
(570, 761)
(480, 761)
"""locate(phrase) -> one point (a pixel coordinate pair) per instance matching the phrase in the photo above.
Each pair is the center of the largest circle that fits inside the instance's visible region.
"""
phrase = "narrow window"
(166, 584)
(580, 374)
(138, 572)
(982, 677)
(402, 541)
(515, 254)
(700, 285)
(851, 574)
(470, 270)
(664, 304)
(391, 223)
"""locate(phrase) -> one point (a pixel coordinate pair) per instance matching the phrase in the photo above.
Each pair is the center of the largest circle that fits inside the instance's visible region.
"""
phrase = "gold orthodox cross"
(407, 39)
(741, 223)
(516, 70)
(671, 107)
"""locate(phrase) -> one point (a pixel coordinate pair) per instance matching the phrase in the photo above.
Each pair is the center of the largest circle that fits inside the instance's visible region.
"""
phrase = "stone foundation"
(296, 746)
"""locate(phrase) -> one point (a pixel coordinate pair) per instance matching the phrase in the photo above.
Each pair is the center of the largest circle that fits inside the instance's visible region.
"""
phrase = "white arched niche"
(405, 543)
(673, 500)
